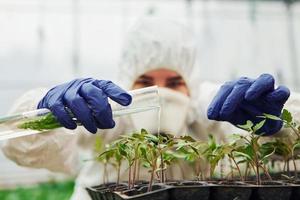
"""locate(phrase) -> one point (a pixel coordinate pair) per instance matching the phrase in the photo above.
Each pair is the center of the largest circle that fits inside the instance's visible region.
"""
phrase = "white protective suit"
(151, 44)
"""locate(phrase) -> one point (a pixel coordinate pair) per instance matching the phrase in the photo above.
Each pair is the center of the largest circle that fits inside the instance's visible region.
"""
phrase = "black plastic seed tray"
(199, 190)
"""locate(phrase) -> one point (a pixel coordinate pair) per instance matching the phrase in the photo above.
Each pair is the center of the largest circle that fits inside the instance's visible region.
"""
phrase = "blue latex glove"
(87, 99)
(245, 99)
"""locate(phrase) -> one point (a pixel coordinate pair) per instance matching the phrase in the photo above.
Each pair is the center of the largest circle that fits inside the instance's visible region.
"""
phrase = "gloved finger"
(217, 102)
(271, 127)
(251, 110)
(106, 124)
(235, 97)
(280, 94)
(59, 111)
(82, 112)
(114, 92)
(264, 83)
(98, 102)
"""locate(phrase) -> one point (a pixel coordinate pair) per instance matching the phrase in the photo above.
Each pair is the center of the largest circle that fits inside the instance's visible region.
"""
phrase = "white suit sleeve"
(54, 150)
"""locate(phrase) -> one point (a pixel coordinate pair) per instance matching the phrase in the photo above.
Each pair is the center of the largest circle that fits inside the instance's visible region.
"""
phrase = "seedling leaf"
(273, 117)
(259, 125)
(248, 126)
(286, 116)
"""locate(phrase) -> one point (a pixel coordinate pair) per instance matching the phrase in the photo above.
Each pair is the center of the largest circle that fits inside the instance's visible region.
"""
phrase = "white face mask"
(173, 116)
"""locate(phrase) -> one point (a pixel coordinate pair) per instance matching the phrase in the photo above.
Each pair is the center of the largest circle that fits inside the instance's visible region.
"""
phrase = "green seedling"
(283, 150)
(136, 140)
(126, 150)
(157, 152)
(295, 155)
(192, 151)
(153, 152)
(112, 155)
(47, 122)
(252, 152)
(209, 154)
(140, 149)
(150, 156)
(230, 152)
(105, 158)
(213, 154)
(286, 149)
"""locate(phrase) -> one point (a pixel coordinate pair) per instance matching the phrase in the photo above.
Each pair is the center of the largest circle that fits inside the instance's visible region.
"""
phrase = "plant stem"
(157, 175)
(256, 159)
(210, 173)
(162, 174)
(221, 169)
(294, 130)
(231, 168)
(284, 166)
(246, 171)
(245, 138)
(237, 166)
(118, 177)
(288, 167)
(199, 171)
(295, 167)
(138, 171)
(151, 180)
(258, 181)
(266, 172)
(255, 167)
(134, 171)
(105, 172)
(129, 177)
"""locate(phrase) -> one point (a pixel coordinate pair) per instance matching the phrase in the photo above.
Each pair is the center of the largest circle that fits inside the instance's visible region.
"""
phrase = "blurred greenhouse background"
(46, 42)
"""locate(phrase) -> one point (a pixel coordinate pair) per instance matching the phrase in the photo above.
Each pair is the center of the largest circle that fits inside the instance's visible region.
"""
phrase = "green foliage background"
(45, 191)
